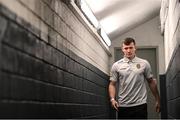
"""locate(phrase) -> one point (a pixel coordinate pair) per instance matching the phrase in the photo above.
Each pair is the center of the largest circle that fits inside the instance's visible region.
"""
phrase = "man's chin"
(129, 56)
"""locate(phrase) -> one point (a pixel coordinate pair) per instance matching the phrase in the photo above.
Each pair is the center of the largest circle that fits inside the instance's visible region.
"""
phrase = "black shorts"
(135, 112)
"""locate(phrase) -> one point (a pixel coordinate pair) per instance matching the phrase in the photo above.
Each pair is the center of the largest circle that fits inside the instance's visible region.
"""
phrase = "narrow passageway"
(56, 56)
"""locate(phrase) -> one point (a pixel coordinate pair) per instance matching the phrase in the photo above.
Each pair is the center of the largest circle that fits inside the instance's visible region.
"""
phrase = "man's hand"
(114, 104)
(158, 108)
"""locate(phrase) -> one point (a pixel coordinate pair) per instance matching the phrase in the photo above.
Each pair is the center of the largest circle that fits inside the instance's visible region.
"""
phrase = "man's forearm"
(112, 90)
(153, 87)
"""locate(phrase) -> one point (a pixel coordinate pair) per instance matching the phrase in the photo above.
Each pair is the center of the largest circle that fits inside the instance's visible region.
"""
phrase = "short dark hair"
(128, 41)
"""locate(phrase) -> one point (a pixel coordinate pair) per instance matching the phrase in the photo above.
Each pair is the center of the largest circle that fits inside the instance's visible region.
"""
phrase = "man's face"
(129, 50)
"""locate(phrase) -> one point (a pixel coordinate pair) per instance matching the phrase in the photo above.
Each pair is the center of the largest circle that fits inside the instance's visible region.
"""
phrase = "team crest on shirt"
(138, 66)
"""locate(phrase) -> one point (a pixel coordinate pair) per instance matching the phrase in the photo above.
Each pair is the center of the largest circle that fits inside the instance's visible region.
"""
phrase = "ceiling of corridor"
(119, 16)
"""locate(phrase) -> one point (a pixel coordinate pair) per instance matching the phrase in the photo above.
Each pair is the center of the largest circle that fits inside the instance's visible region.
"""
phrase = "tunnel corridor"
(54, 64)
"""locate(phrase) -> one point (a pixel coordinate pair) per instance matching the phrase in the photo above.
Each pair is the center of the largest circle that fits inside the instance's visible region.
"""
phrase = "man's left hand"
(158, 108)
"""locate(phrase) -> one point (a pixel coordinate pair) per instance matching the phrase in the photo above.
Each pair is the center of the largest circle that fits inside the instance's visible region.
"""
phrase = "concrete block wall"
(51, 65)
(170, 25)
(173, 81)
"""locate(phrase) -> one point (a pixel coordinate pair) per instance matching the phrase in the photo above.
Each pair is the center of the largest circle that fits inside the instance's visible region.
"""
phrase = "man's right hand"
(114, 104)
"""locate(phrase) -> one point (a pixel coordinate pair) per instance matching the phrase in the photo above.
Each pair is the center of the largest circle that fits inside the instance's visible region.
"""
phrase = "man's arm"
(153, 86)
(112, 94)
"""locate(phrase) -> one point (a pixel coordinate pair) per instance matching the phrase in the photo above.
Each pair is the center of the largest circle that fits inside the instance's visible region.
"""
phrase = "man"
(130, 73)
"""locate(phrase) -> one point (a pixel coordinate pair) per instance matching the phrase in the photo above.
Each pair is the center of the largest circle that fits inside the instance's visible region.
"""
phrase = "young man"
(130, 73)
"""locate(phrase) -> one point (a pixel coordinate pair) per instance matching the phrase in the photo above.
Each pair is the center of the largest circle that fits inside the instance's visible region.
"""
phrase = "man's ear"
(122, 49)
(135, 48)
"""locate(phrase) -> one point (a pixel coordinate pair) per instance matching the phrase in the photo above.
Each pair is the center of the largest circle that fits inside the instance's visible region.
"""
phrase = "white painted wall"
(146, 35)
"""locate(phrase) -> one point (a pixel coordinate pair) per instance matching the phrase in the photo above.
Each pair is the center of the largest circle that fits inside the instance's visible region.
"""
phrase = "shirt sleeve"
(148, 71)
(113, 73)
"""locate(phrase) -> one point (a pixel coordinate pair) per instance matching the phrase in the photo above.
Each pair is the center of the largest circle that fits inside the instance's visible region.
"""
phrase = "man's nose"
(128, 50)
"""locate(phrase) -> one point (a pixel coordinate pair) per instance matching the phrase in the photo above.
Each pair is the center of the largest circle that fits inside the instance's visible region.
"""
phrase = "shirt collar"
(125, 59)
